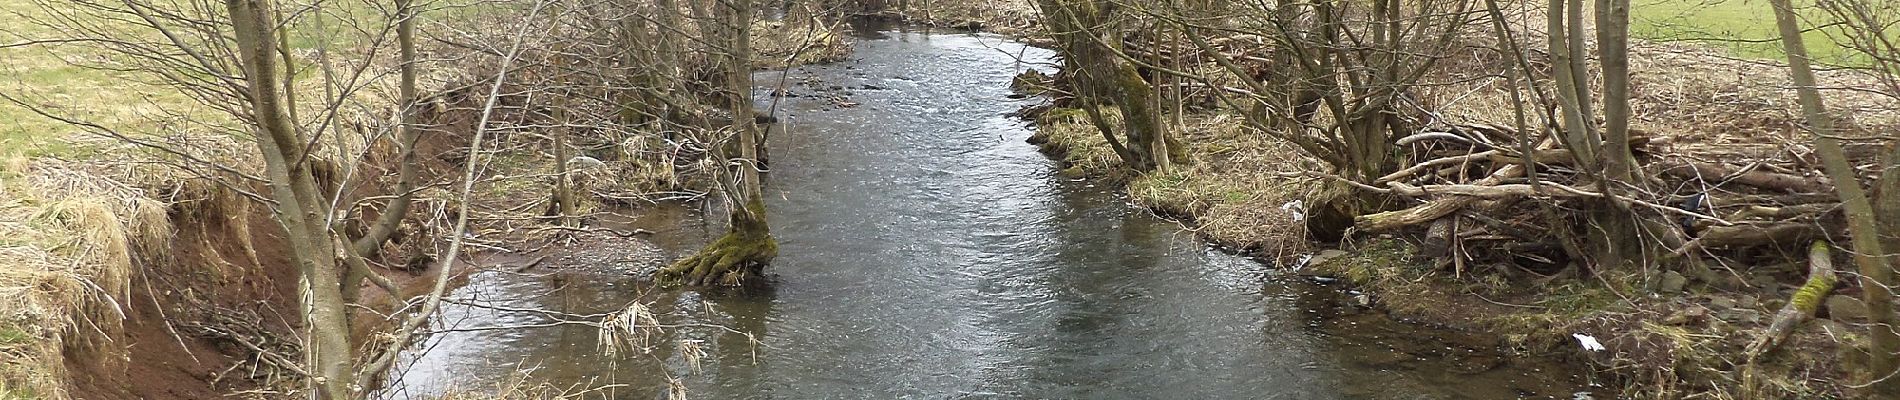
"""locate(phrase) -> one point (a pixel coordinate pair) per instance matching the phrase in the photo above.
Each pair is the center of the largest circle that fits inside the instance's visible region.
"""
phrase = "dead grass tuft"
(66, 259)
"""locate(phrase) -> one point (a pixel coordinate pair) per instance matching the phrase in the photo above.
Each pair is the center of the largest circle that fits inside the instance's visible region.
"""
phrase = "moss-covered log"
(1800, 308)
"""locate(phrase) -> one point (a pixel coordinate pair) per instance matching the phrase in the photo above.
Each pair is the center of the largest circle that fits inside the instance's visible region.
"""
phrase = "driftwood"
(1435, 163)
(1756, 177)
(1545, 156)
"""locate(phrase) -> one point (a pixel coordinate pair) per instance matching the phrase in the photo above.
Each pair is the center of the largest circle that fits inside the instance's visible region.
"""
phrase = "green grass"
(42, 75)
(1743, 28)
(10, 336)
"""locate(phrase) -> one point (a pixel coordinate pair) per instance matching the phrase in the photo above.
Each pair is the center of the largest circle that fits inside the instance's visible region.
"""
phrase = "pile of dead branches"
(1471, 195)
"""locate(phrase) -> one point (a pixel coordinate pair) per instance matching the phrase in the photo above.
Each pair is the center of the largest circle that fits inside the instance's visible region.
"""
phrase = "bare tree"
(1864, 226)
(1090, 33)
(747, 246)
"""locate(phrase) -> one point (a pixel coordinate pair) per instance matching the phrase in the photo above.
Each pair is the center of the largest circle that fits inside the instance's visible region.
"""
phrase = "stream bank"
(1671, 334)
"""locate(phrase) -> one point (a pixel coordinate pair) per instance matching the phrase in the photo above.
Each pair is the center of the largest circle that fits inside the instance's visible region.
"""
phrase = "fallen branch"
(1429, 211)
(1757, 234)
(1802, 211)
(1434, 163)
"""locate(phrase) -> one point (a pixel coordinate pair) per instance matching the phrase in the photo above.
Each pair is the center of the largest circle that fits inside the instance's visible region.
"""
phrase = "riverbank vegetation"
(1526, 169)
(272, 197)
(279, 191)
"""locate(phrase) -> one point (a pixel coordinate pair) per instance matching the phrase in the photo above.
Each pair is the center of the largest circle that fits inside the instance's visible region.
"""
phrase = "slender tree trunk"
(1613, 22)
(1569, 67)
(407, 134)
(566, 200)
(1623, 240)
(299, 205)
(1875, 264)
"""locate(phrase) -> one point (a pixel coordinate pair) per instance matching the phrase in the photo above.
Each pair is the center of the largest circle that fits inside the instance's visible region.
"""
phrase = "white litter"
(1589, 342)
(1297, 208)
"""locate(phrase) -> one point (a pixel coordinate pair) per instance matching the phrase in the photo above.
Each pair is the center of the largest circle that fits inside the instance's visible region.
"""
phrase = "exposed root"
(729, 261)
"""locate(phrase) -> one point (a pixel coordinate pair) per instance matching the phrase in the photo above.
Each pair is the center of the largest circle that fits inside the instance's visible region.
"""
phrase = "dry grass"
(68, 260)
(1241, 188)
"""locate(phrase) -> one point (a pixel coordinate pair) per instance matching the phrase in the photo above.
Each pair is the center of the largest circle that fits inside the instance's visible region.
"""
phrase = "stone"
(1751, 317)
(1719, 303)
(1326, 255)
(1703, 274)
(1766, 284)
(1687, 316)
(1842, 308)
(1671, 282)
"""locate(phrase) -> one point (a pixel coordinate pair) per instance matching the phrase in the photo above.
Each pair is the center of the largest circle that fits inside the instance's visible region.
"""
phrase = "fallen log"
(1545, 156)
(1801, 307)
(1784, 212)
(1756, 177)
(1758, 234)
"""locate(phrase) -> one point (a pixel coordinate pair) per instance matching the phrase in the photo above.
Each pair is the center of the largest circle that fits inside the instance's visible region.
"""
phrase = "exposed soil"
(200, 318)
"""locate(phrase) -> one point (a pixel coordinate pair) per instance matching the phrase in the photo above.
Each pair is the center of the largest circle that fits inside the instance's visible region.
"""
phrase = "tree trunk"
(1876, 270)
(566, 201)
(1568, 70)
(299, 205)
(407, 134)
(1622, 240)
(741, 254)
(1090, 42)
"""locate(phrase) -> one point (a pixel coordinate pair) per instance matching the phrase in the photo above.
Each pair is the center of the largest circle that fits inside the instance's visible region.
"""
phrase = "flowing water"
(928, 252)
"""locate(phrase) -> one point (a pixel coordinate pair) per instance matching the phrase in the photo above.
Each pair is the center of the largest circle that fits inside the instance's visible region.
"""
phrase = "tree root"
(729, 261)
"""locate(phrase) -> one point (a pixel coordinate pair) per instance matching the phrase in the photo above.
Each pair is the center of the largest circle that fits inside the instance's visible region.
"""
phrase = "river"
(927, 251)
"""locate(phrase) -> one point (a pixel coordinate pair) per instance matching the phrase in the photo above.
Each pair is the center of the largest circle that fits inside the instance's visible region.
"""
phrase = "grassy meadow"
(1742, 28)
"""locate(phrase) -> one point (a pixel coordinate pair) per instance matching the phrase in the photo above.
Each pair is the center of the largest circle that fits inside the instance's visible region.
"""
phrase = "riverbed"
(927, 251)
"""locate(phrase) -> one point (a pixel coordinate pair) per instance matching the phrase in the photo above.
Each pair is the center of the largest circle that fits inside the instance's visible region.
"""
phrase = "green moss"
(1378, 264)
(11, 336)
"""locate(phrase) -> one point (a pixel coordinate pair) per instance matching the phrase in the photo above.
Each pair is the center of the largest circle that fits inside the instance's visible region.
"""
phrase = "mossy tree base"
(730, 261)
